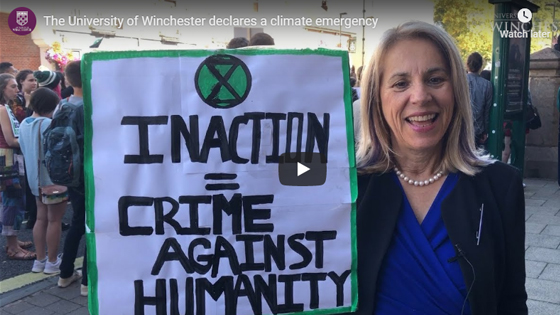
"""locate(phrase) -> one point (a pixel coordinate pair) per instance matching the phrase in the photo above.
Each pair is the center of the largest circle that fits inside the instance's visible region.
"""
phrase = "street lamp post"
(340, 31)
(364, 37)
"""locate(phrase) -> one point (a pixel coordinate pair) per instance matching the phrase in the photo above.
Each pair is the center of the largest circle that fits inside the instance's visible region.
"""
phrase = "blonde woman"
(441, 227)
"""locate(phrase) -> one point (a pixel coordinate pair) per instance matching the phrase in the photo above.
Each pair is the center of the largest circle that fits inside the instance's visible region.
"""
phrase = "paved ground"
(542, 258)
(12, 268)
(542, 242)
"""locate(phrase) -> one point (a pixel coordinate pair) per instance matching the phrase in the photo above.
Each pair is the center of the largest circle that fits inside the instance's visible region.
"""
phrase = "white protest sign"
(186, 212)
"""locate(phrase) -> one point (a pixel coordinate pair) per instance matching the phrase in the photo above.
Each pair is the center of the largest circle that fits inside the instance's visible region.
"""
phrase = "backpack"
(532, 118)
(61, 149)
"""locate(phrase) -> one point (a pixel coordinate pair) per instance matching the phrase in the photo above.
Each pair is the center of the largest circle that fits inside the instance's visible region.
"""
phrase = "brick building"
(19, 50)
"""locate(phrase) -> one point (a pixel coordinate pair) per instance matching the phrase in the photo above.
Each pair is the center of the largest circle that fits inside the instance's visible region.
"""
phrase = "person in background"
(424, 189)
(358, 81)
(47, 231)
(77, 194)
(238, 42)
(27, 84)
(261, 39)
(49, 79)
(8, 67)
(65, 91)
(481, 98)
(353, 73)
(353, 92)
(486, 74)
(508, 133)
(12, 193)
(356, 105)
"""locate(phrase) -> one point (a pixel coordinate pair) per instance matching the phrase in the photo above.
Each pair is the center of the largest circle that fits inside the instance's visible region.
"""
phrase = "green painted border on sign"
(353, 174)
(86, 68)
(93, 302)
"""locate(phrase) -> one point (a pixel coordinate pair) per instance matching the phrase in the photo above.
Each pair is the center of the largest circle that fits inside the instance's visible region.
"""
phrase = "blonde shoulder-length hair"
(459, 153)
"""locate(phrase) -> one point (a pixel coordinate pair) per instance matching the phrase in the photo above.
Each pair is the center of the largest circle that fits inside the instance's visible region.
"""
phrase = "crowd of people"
(440, 224)
(28, 100)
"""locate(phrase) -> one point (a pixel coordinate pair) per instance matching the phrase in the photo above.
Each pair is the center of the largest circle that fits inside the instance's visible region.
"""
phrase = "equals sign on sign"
(221, 177)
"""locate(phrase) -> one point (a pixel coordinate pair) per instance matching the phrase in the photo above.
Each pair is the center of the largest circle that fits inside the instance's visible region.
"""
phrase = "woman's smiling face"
(416, 95)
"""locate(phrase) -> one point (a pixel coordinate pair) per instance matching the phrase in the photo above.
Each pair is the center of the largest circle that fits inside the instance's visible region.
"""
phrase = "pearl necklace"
(416, 182)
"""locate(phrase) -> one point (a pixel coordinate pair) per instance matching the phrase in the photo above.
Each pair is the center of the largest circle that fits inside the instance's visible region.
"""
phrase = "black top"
(497, 275)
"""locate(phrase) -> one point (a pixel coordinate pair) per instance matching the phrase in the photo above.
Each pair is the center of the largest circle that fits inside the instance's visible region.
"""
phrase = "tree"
(542, 21)
(471, 23)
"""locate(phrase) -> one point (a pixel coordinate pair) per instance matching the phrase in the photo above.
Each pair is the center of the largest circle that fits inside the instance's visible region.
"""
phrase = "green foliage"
(542, 20)
(470, 23)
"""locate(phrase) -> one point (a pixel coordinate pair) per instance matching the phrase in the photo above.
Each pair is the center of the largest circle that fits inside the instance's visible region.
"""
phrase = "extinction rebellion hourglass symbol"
(223, 81)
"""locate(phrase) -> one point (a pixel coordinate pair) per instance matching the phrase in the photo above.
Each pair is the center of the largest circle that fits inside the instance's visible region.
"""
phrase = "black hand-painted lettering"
(167, 218)
(250, 214)
(192, 140)
(289, 131)
(249, 240)
(159, 301)
(319, 133)
(314, 279)
(256, 143)
(143, 122)
(289, 306)
(219, 176)
(220, 140)
(194, 201)
(223, 249)
(189, 296)
(275, 117)
(214, 187)
(198, 267)
(275, 251)
(247, 290)
(319, 238)
(166, 255)
(224, 286)
(339, 282)
(174, 297)
(126, 202)
(233, 135)
(301, 249)
(269, 291)
(231, 208)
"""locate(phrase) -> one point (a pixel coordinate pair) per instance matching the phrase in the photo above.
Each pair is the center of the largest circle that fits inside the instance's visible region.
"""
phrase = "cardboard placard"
(185, 210)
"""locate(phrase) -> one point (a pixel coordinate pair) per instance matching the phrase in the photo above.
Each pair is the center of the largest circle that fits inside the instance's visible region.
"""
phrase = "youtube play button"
(301, 169)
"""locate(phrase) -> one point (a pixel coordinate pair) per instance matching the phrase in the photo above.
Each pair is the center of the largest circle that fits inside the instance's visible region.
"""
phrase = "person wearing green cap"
(49, 79)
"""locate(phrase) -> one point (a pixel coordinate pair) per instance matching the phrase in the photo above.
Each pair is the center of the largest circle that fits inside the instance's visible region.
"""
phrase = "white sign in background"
(164, 86)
